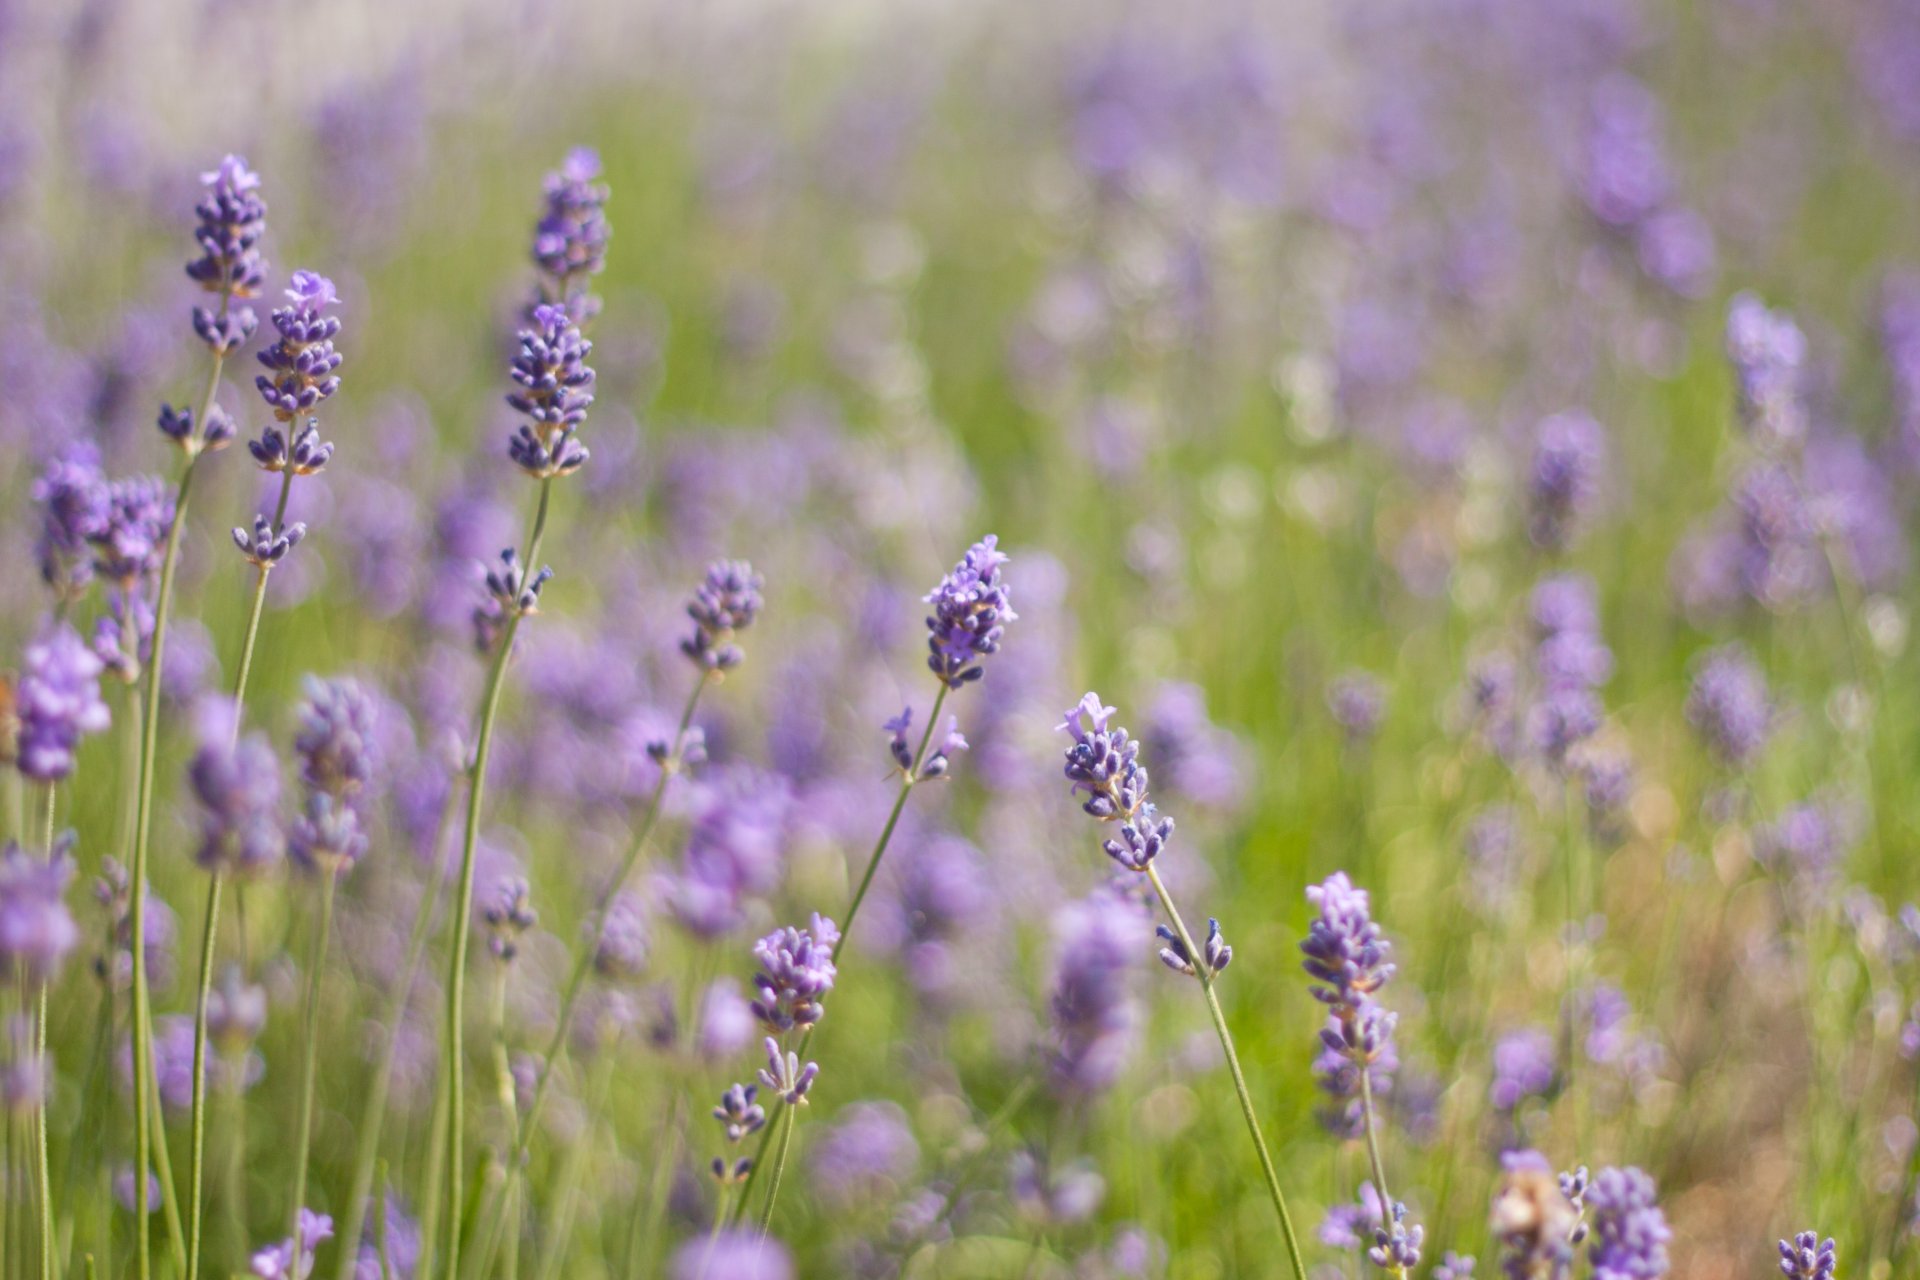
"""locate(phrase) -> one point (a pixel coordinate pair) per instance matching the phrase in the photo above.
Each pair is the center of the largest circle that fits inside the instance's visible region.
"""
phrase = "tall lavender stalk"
(1103, 763)
(972, 606)
(232, 220)
(555, 390)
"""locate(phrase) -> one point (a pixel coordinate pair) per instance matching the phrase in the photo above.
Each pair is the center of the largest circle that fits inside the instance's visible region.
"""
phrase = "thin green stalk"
(380, 1225)
(236, 1188)
(1239, 1079)
(907, 779)
(256, 607)
(554, 1256)
(163, 1170)
(430, 1194)
(196, 1163)
(713, 1232)
(373, 1112)
(43, 1170)
(1373, 1154)
(583, 963)
(463, 903)
(304, 1142)
(143, 821)
(779, 1167)
(495, 1225)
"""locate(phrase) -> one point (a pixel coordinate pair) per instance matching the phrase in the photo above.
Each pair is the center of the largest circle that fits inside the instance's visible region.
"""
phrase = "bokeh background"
(1237, 324)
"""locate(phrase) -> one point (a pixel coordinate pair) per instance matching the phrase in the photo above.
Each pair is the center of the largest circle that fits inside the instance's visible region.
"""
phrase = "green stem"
(163, 1171)
(255, 609)
(463, 902)
(779, 1167)
(303, 1143)
(1373, 1155)
(907, 779)
(373, 1112)
(43, 1170)
(1239, 1079)
(196, 1159)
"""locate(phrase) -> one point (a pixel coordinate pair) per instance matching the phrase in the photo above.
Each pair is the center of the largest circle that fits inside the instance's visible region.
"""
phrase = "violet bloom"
(328, 835)
(1104, 764)
(726, 1023)
(865, 1157)
(129, 545)
(570, 240)
(1523, 1068)
(336, 741)
(1358, 702)
(1093, 1011)
(236, 1011)
(1767, 352)
(58, 701)
(739, 1254)
(620, 946)
(1563, 479)
(1729, 705)
(726, 601)
(785, 1077)
(1808, 840)
(796, 973)
(232, 220)
(301, 364)
(238, 787)
(292, 1258)
(508, 914)
(1630, 1234)
(1807, 1257)
(971, 607)
(37, 931)
(72, 496)
(403, 1244)
(556, 389)
(738, 1114)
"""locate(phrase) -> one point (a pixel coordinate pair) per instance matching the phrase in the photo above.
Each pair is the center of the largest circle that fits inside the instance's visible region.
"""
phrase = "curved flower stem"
(43, 1169)
(373, 1112)
(1373, 1155)
(1239, 1079)
(907, 779)
(779, 1167)
(318, 961)
(196, 1184)
(463, 903)
(257, 607)
(583, 963)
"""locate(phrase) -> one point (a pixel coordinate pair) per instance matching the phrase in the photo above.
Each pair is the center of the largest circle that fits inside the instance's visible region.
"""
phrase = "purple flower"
(301, 364)
(620, 949)
(785, 1075)
(726, 601)
(1630, 1233)
(738, 1114)
(570, 240)
(58, 700)
(265, 547)
(129, 545)
(1523, 1068)
(1104, 764)
(1809, 840)
(971, 608)
(403, 1244)
(555, 389)
(1215, 953)
(796, 972)
(952, 743)
(508, 915)
(1807, 1257)
(1358, 701)
(338, 737)
(741, 1254)
(727, 1022)
(1729, 706)
(328, 836)
(306, 454)
(238, 787)
(232, 219)
(1563, 480)
(36, 929)
(236, 1010)
(1094, 1013)
(865, 1157)
(292, 1258)
(1344, 947)
(1767, 351)
(1626, 176)
(72, 496)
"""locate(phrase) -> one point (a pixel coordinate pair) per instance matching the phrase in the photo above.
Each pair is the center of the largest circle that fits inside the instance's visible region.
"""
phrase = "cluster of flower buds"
(1214, 952)
(305, 455)
(264, 546)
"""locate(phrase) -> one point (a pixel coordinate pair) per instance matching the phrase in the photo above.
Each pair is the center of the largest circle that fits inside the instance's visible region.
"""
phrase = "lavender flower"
(786, 1077)
(1358, 702)
(1807, 1257)
(738, 1254)
(796, 973)
(58, 700)
(1396, 1245)
(1454, 1266)
(1523, 1068)
(23, 1068)
(403, 1244)
(236, 1011)
(1093, 1010)
(738, 1113)
(727, 601)
(556, 388)
(1105, 765)
(508, 915)
(511, 592)
(1215, 953)
(865, 1157)
(1344, 947)
(72, 496)
(1767, 351)
(570, 240)
(292, 1258)
(264, 547)
(971, 608)
(1563, 482)
(36, 929)
(336, 741)
(300, 366)
(233, 218)
(1630, 1233)
(128, 547)
(328, 836)
(620, 946)
(302, 452)
(1729, 706)
(238, 787)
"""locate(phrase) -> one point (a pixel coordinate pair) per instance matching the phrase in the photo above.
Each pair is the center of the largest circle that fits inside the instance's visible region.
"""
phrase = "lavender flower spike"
(1215, 953)
(556, 388)
(292, 1258)
(301, 365)
(1344, 947)
(59, 700)
(971, 607)
(1729, 706)
(796, 972)
(233, 218)
(726, 601)
(738, 1113)
(1807, 1257)
(570, 240)
(1630, 1233)
(785, 1075)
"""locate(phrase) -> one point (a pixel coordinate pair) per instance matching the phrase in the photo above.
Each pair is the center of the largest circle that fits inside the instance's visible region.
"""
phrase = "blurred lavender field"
(1472, 446)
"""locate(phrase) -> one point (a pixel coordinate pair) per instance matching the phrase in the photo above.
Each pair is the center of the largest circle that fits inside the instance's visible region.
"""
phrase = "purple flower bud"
(620, 948)
(1630, 1234)
(57, 700)
(727, 1021)
(292, 1258)
(36, 929)
(336, 741)
(740, 1254)
(898, 746)
(1104, 765)
(508, 915)
(1217, 955)
(131, 543)
(236, 1010)
(1768, 352)
(796, 972)
(1563, 483)
(726, 601)
(1344, 947)
(1523, 1067)
(72, 496)
(971, 607)
(307, 455)
(301, 365)
(1358, 702)
(328, 836)
(570, 240)
(784, 1075)
(1729, 705)
(1807, 1257)
(233, 218)
(738, 1113)
(511, 592)
(1094, 1014)
(264, 547)
(555, 389)
(1396, 1247)
(238, 787)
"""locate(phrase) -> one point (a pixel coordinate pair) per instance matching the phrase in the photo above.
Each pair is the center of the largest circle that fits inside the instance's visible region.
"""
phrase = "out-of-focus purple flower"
(1215, 955)
(971, 608)
(129, 545)
(1094, 1013)
(292, 1258)
(72, 496)
(727, 1023)
(1562, 720)
(236, 1011)
(796, 973)
(232, 220)
(1809, 840)
(508, 915)
(1523, 1068)
(58, 700)
(23, 1068)
(1055, 1196)
(734, 850)
(1626, 176)
(338, 736)
(1729, 706)
(555, 389)
(865, 1157)
(1768, 352)
(1564, 477)
(403, 1244)
(301, 365)
(238, 787)
(123, 1183)
(1338, 1077)
(620, 947)
(1358, 701)
(1348, 1225)
(36, 928)
(726, 601)
(1807, 1257)
(570, 240)
(1676, 249)
(1630, 1233)
(1191, 755)
(741, 1254)
(1454, 1266)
